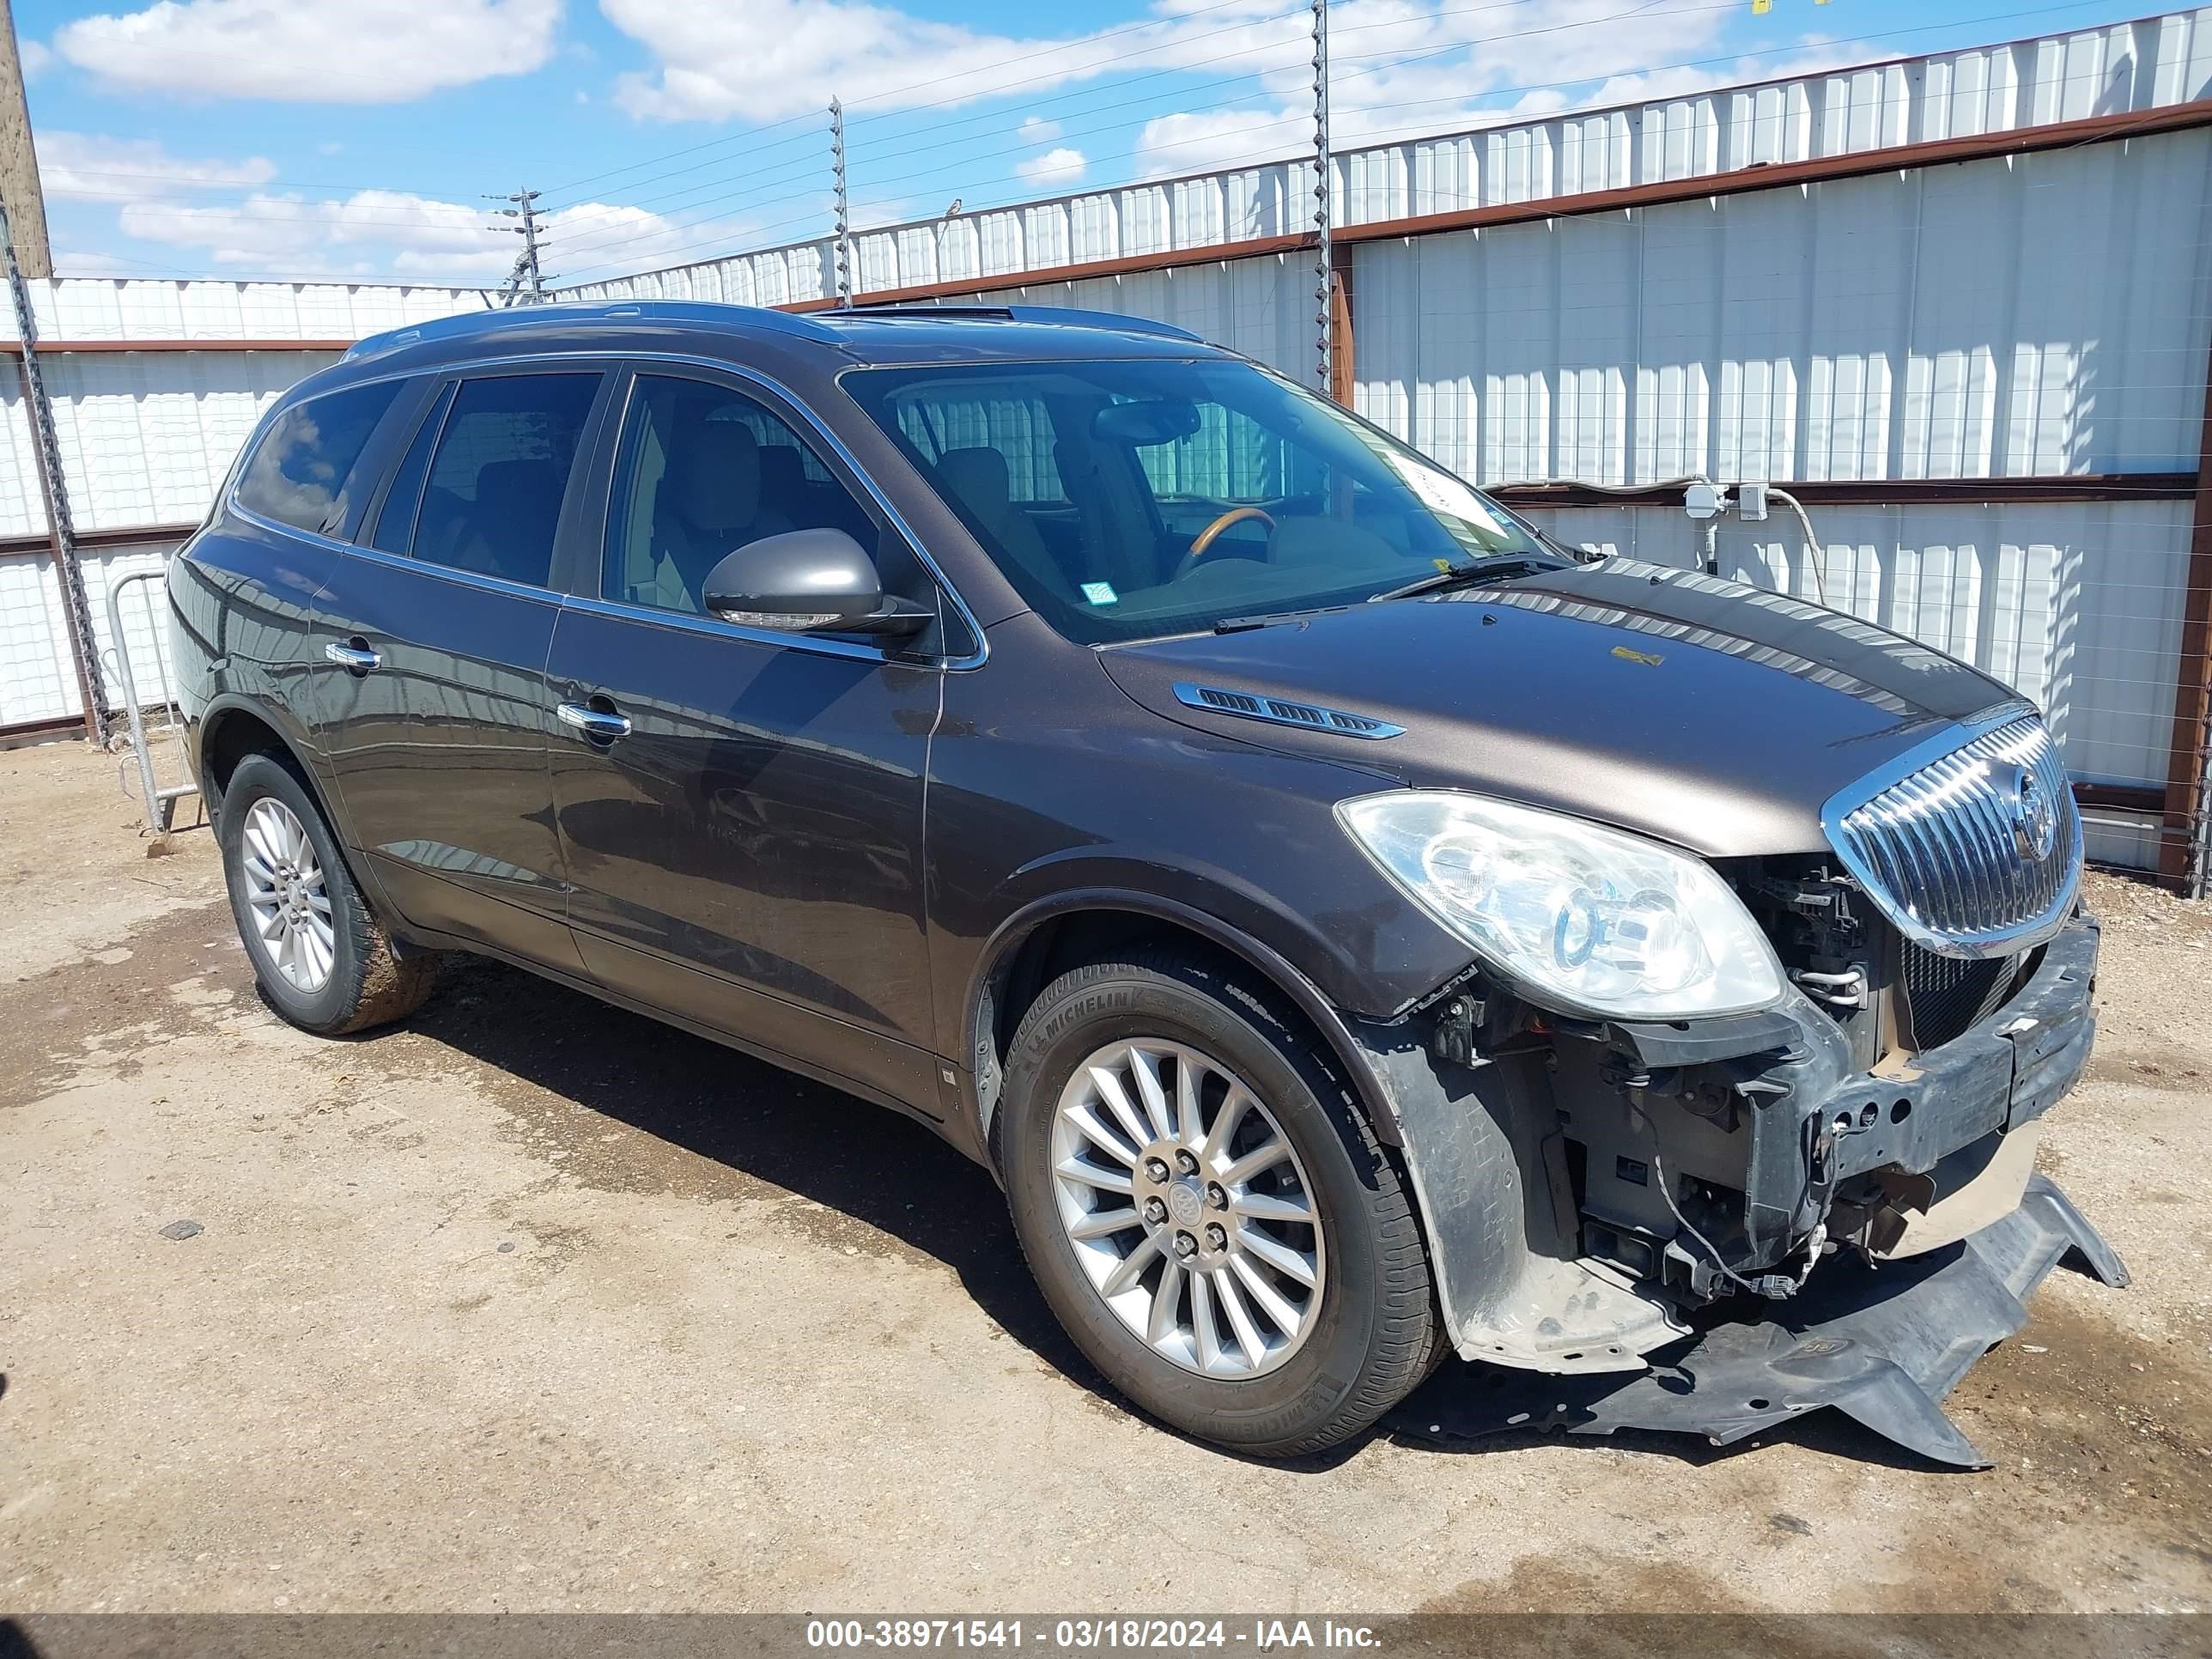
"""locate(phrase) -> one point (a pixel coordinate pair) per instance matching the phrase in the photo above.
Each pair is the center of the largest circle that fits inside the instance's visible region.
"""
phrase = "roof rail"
(1056, 316)
(568, 313)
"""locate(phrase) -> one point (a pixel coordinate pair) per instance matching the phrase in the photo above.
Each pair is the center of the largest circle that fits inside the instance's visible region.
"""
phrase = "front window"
(1127, 499)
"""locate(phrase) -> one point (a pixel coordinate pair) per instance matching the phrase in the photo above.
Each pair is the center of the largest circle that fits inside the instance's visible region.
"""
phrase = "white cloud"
(1194, 142)
(397, 235)
(353, 52)
(1450, 78)
(1056, 169)
(34, 56)
(766, 60)
(86, 167)
(1036, 130)
(355, 236)
(83, 262)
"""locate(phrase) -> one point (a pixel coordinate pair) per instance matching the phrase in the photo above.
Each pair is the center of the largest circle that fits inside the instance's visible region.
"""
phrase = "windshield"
(1130, 498)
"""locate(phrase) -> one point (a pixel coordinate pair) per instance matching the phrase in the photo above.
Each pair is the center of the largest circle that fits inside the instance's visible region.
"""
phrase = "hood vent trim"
(1281, 711)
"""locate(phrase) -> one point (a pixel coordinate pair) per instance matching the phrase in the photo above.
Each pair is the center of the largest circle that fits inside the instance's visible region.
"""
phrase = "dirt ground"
(535, 1305)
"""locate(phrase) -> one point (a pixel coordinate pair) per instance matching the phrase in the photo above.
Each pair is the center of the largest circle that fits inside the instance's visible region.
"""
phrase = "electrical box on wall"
(1751, 502)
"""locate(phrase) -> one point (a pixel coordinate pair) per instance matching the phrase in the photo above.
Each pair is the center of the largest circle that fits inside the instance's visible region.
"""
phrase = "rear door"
(245, 594)
(741, 810)
(437, 722)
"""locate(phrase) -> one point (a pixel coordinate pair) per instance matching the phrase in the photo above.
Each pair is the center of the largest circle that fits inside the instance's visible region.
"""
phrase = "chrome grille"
(1946, 850)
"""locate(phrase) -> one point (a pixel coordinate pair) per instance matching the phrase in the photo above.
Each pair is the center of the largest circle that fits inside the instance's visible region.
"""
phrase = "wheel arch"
(1059, 932)
(232, 728)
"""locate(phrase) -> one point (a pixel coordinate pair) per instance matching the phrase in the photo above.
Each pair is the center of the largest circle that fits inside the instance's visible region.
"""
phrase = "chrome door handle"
(358, 658)
(594, 722)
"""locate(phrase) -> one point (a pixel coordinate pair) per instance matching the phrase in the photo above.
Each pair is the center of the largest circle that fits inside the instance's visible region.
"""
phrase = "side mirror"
(807, 581)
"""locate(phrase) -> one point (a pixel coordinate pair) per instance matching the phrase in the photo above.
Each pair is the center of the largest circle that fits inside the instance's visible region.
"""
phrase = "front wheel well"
(1075, 938)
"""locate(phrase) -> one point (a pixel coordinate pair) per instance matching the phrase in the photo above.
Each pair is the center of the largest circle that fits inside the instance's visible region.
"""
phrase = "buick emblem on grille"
(2034, 816)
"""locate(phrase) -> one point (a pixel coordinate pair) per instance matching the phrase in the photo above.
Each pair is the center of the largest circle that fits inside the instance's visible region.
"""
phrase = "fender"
(293, 733)
(1354, 1057)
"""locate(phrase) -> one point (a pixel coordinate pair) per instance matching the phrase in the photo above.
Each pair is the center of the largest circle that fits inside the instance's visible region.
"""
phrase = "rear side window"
(302, 473)
(492, 501)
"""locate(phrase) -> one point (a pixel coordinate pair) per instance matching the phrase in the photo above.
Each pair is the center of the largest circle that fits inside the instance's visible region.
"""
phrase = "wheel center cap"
(1186, 1202)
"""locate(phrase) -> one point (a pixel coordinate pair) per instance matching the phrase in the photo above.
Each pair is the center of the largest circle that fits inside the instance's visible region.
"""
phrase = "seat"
(976, 479)
(509, 528)
(708, 503)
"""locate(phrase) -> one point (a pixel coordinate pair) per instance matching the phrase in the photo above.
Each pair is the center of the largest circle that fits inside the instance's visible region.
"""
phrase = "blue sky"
(356, 139)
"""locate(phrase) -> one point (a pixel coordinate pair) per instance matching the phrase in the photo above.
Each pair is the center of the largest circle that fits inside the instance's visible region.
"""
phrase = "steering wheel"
(1207, 536)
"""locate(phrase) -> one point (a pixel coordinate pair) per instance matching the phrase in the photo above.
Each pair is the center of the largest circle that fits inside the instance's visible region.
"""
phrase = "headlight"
(1601, 921)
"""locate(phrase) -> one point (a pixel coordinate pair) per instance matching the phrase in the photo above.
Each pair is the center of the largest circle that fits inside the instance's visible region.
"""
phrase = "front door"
(741, 811)
(436, 716)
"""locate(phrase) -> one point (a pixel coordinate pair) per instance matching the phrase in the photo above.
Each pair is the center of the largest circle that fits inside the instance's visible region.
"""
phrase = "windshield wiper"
(1499, 567)
(1269, 618)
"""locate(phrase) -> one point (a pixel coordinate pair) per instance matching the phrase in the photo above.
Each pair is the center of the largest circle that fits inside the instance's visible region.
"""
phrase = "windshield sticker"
(1100, 593)
(1444, 495)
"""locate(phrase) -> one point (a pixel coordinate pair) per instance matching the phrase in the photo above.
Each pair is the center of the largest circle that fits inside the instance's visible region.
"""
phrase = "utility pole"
(47, 449)
(525, 283)
(1324, 267)
(844, 254)
(19, 158)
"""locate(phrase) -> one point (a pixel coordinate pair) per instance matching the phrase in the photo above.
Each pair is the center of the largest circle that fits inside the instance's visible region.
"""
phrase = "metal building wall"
(1853, 325)
(2033, 316)
(146, 435)
(2040, 315)
(2154, 63)
(2077, 606)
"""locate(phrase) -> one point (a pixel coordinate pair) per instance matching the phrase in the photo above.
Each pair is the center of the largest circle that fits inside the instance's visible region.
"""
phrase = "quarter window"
(395, 520)
(492, 501)
(302, 473)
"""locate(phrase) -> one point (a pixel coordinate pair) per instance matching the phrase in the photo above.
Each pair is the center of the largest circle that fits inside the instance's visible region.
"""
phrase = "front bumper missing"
(1882, 1344)
(1530, 1170)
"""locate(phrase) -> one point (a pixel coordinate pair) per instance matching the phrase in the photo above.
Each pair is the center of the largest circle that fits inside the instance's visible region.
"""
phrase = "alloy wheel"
(288, 895)
(1188, 1208)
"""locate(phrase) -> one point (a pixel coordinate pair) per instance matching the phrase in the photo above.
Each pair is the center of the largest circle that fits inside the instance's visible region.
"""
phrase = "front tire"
(1207, 1211)
(324, 962)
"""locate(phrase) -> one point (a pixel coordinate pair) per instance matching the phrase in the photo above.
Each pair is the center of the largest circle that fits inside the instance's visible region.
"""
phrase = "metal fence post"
(83, 643)
(1324, 262)
(844, 255)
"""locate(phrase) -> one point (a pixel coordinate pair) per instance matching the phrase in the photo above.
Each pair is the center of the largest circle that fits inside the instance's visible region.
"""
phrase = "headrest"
(715, 474)
(783, 466)
(519, 488)
(978, 477)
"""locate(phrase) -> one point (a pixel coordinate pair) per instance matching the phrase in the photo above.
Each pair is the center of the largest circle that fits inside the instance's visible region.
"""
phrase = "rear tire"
(324, 962)
(1326, 1323)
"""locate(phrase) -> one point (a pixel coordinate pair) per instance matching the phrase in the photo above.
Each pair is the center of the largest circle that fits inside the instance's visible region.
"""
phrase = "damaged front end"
(1718, 1225)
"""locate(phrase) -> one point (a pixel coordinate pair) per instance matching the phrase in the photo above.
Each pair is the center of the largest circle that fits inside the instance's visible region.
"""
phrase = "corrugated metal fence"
(1957, 304)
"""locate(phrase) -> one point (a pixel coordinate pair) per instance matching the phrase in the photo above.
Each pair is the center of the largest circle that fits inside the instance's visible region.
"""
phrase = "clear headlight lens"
(1592, 919)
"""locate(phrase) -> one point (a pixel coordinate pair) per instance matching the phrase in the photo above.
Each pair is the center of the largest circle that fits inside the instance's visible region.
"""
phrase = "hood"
(1702, 712)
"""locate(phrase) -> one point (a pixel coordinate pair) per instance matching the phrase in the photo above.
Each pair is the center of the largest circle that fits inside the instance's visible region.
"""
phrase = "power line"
(1377, 138)
(755, 133)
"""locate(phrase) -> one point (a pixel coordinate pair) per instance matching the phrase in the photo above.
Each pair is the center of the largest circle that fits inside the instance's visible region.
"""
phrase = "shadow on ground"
(771, 1127)
(767, 1126)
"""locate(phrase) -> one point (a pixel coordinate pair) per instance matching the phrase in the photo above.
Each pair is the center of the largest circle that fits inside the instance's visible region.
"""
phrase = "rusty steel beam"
(1343, 360)
(1885, 492)
(15, 348)
(2186, 804)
